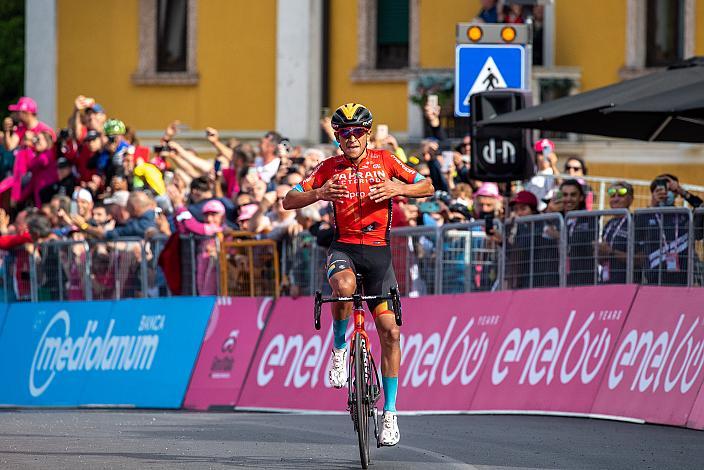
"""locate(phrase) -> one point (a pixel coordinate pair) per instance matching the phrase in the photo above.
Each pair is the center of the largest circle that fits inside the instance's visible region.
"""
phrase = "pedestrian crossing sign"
(486, 67)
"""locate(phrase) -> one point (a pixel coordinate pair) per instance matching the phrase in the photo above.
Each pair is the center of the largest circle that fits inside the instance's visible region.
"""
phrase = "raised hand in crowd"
(4, 222)
(213, 137)
(176, 196)
(10, 139)
(170, 131)
(432, 114)
(326, 125)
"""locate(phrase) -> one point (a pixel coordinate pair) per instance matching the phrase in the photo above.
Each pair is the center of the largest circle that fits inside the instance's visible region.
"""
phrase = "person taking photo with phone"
(361, 184)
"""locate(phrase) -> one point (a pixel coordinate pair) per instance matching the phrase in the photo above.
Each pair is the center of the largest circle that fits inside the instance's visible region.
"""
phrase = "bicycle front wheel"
(361, 403)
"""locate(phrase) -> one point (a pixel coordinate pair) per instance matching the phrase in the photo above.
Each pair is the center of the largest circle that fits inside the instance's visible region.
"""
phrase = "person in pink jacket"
(207, 256)
(42, 166)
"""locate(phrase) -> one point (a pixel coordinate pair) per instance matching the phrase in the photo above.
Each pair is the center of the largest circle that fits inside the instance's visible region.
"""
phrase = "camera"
(443, 196)
(661, 182)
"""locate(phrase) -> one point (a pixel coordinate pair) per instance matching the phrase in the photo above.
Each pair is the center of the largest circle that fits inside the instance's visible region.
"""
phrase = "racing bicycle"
(363, 385)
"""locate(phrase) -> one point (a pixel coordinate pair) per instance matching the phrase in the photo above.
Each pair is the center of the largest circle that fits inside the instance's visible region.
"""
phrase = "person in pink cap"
(487, 200)
(546, 176)
(206, 250)
(25, 111)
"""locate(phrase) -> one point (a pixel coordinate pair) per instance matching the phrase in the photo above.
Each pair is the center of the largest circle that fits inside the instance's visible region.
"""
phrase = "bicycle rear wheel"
(361, 403)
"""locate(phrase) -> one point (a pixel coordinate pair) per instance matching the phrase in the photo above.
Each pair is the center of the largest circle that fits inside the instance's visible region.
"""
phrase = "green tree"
(12, 55)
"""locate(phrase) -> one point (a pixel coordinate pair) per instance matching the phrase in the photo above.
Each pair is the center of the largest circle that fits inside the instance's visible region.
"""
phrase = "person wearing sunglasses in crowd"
(576, 168)
(361, 184)
(613, 248)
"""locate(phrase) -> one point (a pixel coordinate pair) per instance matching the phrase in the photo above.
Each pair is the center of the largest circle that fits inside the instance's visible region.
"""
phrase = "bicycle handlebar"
(392, 296)
(363, 298)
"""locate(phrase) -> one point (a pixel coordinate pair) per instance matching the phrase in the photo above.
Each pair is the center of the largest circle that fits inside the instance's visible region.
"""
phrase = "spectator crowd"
(92, 191)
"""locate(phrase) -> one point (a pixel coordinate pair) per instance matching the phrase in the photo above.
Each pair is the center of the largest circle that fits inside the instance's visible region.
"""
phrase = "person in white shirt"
(545, 178)
(268, 161)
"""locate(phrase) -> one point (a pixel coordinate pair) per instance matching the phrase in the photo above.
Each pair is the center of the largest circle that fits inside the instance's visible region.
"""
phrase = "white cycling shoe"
(338, 369)
(390, 434)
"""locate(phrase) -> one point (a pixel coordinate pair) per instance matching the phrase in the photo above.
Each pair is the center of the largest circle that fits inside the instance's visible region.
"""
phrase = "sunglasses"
(348, 132)
(575, 168)
(112, 139)
(614, 191)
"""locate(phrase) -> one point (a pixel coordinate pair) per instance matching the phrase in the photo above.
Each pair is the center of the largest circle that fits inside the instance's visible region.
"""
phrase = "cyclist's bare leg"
(390, 337)
(343, 285)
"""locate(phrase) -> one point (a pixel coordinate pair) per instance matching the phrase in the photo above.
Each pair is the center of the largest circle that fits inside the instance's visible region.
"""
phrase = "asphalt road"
(58, 439)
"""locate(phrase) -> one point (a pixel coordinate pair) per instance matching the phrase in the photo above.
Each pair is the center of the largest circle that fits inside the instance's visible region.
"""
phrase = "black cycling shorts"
(373, 263)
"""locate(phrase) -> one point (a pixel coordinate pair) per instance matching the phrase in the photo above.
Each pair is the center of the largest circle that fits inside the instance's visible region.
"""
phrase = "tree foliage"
(11, 52)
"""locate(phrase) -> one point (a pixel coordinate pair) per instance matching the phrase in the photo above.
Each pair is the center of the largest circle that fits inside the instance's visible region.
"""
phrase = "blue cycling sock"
(339, 328)
(390, 388)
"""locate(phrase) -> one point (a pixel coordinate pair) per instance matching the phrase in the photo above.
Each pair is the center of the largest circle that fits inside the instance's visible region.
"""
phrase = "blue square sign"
(486, 67)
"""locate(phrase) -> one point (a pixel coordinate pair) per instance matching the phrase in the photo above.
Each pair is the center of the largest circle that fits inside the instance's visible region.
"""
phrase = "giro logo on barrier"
(673, 359)
(553, 352)
(59, 352)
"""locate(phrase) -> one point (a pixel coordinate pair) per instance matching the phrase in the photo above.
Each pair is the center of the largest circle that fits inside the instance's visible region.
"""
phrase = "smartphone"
(429, 207)
(447, 158)
(168, 177)
(547, 150)
(489, 224)
(382, 131)
(217, 165)
(433, 100)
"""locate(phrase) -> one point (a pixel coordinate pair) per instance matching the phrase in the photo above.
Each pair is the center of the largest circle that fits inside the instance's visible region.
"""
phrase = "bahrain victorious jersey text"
(358, 219)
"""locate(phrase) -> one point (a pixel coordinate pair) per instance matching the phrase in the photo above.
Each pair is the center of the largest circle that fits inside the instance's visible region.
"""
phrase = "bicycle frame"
(363, 389)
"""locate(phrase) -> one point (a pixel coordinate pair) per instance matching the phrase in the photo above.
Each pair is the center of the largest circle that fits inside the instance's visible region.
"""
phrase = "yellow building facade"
(275, 64)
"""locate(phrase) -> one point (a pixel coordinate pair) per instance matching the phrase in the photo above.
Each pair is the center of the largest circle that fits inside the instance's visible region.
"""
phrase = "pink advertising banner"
(227, 351)
(656, 370)
(696, 416)
(445, 343)
(553, 349)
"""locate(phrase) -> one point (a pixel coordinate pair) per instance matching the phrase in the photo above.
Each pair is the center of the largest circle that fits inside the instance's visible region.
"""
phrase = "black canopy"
(664, 106)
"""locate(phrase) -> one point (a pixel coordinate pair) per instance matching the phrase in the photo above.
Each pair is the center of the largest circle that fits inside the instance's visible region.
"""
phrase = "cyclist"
(361, 183)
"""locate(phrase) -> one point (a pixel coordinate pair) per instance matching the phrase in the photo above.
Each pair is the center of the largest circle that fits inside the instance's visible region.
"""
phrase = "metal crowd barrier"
(414, 257)
(534, 252)
(249, 268)
(470, 260)
(664, 244)
(655, 246)
(641, 189)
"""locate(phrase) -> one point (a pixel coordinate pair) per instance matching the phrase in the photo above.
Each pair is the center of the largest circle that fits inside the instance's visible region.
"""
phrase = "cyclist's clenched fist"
(332, 190)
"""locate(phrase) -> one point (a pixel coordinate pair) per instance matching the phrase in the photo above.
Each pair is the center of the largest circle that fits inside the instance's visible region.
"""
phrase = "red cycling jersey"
(358, 219)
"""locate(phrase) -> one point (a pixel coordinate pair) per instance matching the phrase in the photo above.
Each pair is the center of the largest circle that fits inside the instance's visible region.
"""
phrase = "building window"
(167, 40)
(172, 34)
(392, 34)
(388, 39)
(664, 32)
(658, 33)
